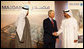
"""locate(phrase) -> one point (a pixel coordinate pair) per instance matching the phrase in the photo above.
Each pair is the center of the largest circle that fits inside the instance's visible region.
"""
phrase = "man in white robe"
(69, 30)
(23, 35)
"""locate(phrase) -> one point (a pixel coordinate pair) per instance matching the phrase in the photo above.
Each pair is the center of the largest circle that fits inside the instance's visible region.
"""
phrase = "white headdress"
(69, 12)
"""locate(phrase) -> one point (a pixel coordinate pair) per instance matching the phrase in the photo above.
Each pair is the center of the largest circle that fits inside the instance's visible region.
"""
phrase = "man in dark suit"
(50, 28)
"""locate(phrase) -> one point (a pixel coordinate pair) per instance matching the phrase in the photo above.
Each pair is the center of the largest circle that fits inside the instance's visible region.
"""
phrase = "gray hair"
(49, 12)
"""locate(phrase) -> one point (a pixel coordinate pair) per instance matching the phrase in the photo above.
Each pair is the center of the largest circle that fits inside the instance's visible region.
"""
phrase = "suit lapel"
(50, 22)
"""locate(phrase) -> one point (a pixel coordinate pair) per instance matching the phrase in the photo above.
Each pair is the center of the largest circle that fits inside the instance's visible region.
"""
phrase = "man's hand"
(75, 41)
(54, 34)
(57, 40)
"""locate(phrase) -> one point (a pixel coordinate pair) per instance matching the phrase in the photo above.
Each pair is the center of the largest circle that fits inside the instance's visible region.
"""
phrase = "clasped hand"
(54, 34)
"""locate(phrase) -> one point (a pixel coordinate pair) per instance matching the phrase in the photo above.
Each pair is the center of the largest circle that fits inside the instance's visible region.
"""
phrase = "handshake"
(54, 34)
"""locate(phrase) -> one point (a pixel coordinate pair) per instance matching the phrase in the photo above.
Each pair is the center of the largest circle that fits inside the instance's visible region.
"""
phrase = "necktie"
(52, 22)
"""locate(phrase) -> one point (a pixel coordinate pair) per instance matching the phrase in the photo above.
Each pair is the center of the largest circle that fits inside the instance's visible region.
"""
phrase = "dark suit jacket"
(48, 30)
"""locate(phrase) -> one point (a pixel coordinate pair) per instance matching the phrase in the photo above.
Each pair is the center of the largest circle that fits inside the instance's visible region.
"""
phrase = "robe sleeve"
(61, 29)
(76, 31)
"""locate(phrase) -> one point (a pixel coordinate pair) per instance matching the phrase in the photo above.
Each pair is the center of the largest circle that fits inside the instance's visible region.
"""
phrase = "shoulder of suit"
(54, 20)
(46, 19)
